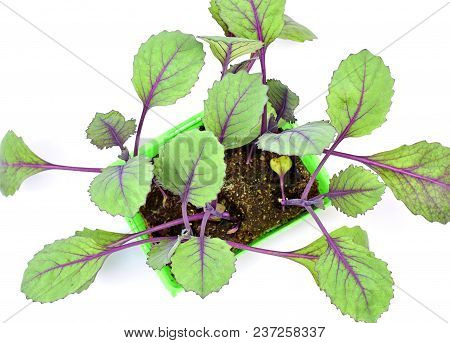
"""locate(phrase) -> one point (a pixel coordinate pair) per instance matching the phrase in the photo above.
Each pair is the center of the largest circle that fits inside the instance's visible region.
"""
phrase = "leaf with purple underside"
(110, 129)
(67, 266)
(283, 100)
(419, 176)
(355, 190)
(205, 266)
(161, 253)
(242, 66)
(261, 20)
(234, 107)
(309, 139)
(227, 49)
(295, 31)
(122, 189)
(17, 163)
(360, 94)
(166, 67)
(358, 283)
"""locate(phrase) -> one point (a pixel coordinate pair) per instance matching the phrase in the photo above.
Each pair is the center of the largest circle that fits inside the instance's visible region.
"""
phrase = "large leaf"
(161, 253)
(227, 49)
(234, 107)
(355, 190)
(122, 189)
(203, 267)
(358, 283)
(295, 31)
(254, 19)
(215, 12)
(192, 166)
(110, 129)
(166, 67)
(360, 94)
(283, 100)
(309, 139)
(17, 163)
(67, 266)
(419, 176)
(320, 246)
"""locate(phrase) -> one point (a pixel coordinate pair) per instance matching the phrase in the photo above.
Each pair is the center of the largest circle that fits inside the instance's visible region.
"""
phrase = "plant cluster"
(242, 108)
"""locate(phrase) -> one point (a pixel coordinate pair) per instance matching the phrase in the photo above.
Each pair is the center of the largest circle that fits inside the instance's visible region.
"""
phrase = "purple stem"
(107, 252)
(283, 196)
(139, 130)
(271, 252)
(185, 216)
(193, 218)
(262, 58)
(50, 166)
(160, 189)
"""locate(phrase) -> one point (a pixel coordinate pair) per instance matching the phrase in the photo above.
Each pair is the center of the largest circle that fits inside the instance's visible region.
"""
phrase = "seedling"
(243, 110)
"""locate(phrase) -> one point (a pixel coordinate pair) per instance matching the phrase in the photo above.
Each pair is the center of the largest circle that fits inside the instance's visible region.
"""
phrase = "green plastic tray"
(151, 149)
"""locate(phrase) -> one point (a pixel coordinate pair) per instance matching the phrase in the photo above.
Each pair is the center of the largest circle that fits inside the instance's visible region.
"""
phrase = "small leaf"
(227, 49)
(166, 67)
(67, 266)
(283, 100)
(318, 247)
(192, 166)
(122, 189)
(281, 165)
(110, 129)
(215, 12)
(358, 283)
(234, 107)
(253, 19)
(203, 268)
(355, 191)
(418, 175)
(360, 94)
(295, 31)
(309, 139)
(243, 66)
(17, 163)
(161, 253)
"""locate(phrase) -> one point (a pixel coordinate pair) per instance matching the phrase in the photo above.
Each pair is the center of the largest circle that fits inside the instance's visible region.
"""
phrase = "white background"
(49, 97)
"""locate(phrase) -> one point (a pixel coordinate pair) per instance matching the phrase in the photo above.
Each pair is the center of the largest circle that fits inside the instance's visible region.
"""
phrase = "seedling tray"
(151, 149)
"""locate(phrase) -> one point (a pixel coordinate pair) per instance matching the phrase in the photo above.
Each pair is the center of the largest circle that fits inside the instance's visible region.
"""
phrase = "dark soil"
(250, 193)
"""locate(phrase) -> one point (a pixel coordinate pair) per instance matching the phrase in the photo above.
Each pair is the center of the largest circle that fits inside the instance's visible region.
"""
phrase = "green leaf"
(358, 283)
(309, 139)
(281, 165)
(215, 12)
(355, 190)
(161, 253)
(360, 94)
(283, 100)
(17, 163)
(110, 129)
(418, 175)
(295, 31)
(122, 189)
(227, 49)
(234, 107)
(203, 272)
(254, 19)
(67, 266)
(320, 246)
(192, 166)
(166, 67)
